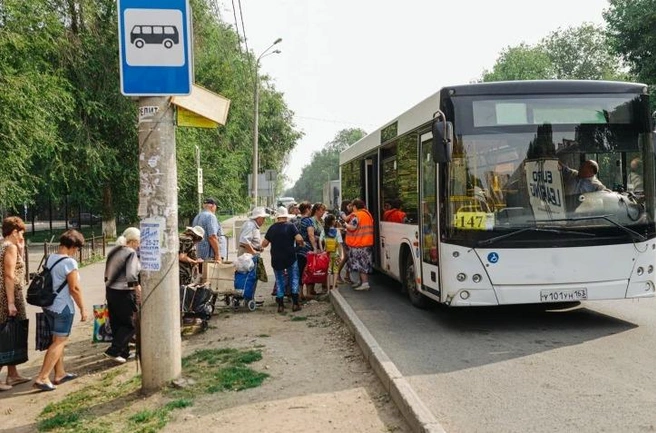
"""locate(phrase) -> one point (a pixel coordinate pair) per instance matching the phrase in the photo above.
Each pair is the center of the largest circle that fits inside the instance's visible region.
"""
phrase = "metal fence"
(94, 249)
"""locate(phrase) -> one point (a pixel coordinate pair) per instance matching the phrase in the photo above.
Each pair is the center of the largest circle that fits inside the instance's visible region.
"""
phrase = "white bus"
(493, 211)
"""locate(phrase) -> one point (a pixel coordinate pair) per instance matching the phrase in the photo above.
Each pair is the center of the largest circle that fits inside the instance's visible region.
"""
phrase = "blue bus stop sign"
(154, 39)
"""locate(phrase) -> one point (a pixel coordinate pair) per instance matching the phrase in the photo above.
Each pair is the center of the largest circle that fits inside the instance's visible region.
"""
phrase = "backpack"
(39, 292)
(331, 240)
(331, 244)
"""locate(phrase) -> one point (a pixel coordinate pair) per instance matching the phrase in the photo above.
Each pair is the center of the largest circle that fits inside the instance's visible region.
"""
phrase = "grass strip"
(112, 405)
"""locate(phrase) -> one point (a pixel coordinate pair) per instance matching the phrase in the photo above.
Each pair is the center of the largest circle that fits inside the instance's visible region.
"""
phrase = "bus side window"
(136, 30)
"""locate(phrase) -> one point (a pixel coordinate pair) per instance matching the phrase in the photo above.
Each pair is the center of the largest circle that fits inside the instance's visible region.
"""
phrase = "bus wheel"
(168, 43)
(410, 284)
(139, 43)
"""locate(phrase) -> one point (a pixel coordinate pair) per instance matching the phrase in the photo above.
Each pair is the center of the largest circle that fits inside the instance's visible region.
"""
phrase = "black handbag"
(43, 334)
(13, 341)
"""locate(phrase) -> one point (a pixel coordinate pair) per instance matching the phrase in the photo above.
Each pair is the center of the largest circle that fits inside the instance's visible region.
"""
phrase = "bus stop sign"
(154, 41)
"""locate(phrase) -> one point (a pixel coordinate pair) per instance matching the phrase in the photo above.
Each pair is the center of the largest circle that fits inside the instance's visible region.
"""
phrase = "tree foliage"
(631, 27)
(324, 166)
(521, 63)
(67, 134)
(580, 53)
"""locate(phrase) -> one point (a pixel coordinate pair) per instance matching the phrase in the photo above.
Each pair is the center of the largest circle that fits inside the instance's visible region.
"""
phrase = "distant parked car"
(285, 201)
(86, 219)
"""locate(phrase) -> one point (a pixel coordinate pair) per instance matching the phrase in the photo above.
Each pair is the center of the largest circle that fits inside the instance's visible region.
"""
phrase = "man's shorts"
(60, 323)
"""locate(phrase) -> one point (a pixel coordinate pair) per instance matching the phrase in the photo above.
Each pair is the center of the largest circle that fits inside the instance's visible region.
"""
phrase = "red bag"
(316, 268)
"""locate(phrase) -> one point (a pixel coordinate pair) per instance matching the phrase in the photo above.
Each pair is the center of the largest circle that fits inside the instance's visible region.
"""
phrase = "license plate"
(563, 295)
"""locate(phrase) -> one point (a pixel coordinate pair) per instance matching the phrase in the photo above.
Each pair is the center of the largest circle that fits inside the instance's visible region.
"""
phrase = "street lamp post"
(256, 129)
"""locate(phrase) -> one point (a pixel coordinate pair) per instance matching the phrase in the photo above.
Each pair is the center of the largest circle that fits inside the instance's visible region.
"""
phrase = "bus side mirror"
(442, 139)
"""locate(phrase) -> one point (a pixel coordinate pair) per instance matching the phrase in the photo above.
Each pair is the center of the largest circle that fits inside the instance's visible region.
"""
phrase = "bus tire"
(139, 43)
(410, 284)
(168, 43)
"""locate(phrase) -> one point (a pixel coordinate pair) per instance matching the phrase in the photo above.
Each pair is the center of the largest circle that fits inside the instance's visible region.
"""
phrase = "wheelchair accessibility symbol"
(493, 258)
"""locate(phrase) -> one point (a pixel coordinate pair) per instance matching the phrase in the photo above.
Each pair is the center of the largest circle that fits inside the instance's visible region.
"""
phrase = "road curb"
(420, 419)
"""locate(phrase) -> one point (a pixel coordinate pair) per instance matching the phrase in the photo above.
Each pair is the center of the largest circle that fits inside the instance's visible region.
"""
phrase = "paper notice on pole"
(152, 230)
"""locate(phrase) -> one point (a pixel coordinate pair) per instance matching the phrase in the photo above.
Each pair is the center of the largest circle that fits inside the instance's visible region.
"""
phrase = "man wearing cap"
(209, 248)
(283, 236)
(250, 239)
(188, 256)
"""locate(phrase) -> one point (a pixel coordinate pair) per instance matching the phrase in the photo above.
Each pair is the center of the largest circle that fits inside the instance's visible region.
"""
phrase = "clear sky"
(360, 63)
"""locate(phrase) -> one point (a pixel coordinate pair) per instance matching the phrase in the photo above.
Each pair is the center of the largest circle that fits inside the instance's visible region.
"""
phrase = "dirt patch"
(318, 379)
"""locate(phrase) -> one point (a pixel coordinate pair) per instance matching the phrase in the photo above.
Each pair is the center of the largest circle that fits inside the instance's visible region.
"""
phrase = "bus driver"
(582, 180)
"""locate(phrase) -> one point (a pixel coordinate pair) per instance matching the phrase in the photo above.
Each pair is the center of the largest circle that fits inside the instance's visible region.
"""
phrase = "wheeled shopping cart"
(197, 303)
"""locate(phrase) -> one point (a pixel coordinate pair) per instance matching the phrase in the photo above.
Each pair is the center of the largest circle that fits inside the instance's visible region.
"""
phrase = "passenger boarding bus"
(513, 193)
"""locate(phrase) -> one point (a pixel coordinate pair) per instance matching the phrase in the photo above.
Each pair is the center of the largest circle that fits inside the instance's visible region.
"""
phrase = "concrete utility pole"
(256, 119)
(161, 351)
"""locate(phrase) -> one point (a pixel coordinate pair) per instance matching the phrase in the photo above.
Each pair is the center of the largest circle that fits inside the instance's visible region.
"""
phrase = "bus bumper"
(536, 294)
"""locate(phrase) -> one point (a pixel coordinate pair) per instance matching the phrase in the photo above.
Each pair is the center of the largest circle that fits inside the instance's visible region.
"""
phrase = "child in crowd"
(332, 240)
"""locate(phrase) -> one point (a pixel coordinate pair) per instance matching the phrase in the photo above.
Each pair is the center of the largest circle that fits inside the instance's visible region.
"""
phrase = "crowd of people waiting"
(299, 229)
(304, 228)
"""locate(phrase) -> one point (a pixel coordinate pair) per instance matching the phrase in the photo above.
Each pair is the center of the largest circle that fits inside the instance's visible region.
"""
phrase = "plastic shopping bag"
(13, 341)
(102, 331)
(316, 268)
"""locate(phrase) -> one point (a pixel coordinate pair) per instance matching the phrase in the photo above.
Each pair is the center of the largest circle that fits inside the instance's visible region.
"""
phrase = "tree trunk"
(109, 217)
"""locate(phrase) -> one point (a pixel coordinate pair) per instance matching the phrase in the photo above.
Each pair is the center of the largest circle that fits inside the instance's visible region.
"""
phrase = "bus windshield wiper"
(633, 233)
(490, 241)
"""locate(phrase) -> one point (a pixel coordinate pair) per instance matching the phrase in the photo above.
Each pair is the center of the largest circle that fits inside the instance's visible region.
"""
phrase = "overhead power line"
(243, 29)
(234, 13)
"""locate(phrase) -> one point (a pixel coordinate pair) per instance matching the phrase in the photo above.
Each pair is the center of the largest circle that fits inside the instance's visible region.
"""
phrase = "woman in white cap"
(188, 256)
(250, 239)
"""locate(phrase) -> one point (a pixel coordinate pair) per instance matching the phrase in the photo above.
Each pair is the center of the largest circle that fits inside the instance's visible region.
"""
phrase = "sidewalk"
(311, 369)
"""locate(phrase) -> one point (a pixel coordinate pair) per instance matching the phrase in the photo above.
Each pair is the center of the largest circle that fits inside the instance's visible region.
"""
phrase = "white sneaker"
(118, 359)
(362, 287)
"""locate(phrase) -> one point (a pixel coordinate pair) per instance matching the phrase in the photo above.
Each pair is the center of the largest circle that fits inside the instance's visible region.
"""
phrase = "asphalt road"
(521, 369)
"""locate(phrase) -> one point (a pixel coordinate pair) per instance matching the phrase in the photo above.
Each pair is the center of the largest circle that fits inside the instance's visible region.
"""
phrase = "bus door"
(371, 199)
(428, 217)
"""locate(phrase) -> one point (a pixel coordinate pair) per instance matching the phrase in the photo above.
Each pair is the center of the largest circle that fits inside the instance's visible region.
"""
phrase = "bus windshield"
(575, 168)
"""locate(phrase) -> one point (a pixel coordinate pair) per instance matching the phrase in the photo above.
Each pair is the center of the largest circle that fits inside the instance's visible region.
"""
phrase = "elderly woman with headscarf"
(123, 292)
(188, 256)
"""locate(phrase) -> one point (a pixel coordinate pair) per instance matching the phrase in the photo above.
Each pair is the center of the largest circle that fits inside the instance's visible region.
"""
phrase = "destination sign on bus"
(545, 188)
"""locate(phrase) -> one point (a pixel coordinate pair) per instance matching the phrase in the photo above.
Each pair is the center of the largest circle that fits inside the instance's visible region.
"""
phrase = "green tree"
(221, 66)
(34, 96)
(521, 63)
(580, 53)
(631, 27)
(68, 135)
(324, 166)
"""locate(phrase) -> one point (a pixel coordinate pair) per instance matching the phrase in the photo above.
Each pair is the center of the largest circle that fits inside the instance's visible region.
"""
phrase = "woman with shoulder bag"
(61, 313)
(12, 278)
